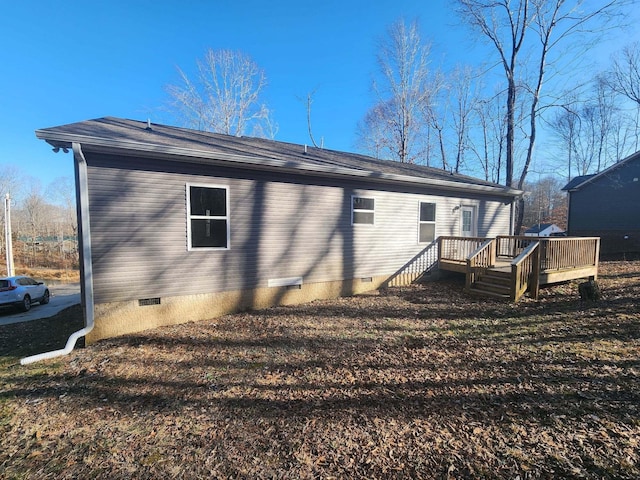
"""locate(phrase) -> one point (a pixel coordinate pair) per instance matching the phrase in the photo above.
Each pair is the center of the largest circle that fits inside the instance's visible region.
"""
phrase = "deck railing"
(480, 260)
(458, 249)
(512, 246)
(525, 272)
(570, 252)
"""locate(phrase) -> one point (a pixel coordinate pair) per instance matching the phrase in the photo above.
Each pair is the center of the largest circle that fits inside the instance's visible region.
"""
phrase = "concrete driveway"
(62, 296)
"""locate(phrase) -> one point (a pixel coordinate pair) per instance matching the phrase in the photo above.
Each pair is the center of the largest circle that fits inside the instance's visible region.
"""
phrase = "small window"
(427, 223)
(208, 212)
(363, 210)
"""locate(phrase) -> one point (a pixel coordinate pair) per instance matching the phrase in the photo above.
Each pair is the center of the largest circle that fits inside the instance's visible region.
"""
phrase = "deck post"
(469, 276)
(534, 286)
(596, 260)
(495, 252)
(515, 275)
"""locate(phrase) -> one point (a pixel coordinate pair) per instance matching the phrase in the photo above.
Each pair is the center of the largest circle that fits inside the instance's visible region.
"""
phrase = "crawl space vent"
(145, 302)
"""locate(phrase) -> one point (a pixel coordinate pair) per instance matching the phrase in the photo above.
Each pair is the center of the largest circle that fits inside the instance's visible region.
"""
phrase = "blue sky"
(68, 61)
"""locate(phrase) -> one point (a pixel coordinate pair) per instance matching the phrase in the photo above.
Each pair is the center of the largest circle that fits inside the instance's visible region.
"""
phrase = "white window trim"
(213, 217)
(353, 210)
(434, 222)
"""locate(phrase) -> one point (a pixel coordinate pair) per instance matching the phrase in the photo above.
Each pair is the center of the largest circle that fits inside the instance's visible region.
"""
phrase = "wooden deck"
(510, 266)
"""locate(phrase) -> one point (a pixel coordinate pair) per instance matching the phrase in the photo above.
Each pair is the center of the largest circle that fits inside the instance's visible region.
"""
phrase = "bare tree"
(523, 34)
(585, 128)
(624, 77)
(625, 134)
(405, 91)
(605, 109)
(373, 131)
(505, 26)
(436, 119)
(225, 95)
(308, 100)
(488, 144)
(546, 203)
(10, 180)
(566, 126)
(463, 97)
(61, 192)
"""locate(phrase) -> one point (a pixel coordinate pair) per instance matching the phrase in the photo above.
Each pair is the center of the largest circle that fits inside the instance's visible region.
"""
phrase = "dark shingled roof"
(579, 182)
(576, 181)
(137, 135)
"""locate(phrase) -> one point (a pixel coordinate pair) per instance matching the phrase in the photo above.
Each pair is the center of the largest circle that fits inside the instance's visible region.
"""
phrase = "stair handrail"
(525, 272)
(481, 258)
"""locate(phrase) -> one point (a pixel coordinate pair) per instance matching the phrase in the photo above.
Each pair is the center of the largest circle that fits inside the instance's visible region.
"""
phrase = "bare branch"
(225, 96)
(405, 92)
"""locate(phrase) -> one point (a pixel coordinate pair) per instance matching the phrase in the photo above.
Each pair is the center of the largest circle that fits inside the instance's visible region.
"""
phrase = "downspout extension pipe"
(87, 280)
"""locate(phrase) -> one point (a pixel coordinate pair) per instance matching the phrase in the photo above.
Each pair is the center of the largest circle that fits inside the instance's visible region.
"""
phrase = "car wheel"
(45, 298)
(25, 305)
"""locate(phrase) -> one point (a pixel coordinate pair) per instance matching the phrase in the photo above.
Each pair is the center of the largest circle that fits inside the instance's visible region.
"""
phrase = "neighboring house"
(543, 230)
(180, 225)
(607, 205)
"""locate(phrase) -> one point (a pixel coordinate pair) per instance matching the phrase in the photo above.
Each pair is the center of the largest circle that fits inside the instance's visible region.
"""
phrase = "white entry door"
(467, 222)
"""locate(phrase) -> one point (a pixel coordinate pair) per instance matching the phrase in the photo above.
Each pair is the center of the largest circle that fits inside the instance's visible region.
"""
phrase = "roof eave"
(65, 140)
(606, 171)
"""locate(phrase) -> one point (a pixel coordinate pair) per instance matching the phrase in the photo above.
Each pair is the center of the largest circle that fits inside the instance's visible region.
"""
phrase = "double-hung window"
(208, 217)
(427, 222)
(362, 210)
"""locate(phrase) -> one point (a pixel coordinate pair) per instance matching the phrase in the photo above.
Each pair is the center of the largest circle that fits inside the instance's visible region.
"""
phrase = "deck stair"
(495, 283)
(509, 267)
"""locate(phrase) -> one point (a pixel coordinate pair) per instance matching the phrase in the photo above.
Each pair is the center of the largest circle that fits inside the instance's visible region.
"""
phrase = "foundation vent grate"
(145, 302)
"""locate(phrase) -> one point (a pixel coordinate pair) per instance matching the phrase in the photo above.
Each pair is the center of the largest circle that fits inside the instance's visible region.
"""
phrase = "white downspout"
(87, 272)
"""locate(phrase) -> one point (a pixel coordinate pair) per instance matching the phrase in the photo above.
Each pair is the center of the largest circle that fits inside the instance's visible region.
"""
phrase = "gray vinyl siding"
(281, 226)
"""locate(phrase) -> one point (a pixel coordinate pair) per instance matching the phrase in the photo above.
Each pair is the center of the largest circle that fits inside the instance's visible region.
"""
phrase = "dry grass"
(47, 274)
(419, 382)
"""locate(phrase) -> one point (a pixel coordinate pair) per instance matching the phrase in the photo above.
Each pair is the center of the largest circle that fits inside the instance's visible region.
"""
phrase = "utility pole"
(7, 234)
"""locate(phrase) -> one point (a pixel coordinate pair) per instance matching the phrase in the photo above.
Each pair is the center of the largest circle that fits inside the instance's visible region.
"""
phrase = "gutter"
(108, 145)
(82, 198)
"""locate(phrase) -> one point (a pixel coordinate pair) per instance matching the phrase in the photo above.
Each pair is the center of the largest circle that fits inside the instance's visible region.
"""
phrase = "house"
(607, 205)
(180, 225)
(543, 230)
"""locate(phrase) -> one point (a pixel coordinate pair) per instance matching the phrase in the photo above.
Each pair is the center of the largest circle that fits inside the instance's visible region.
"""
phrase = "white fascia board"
(263, 163)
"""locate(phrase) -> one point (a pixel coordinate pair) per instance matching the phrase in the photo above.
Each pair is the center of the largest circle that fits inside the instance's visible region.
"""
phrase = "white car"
(22, 292)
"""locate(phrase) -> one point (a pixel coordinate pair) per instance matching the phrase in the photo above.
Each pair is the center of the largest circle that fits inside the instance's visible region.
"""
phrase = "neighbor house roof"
(579, 182)
(540, 227)
(574, 182)
(113, 135)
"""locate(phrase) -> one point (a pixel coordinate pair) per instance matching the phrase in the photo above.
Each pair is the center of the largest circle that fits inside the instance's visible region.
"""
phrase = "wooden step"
(485, 293)
(505, 275)
(494, 284)
(489, 286)
(490, 277)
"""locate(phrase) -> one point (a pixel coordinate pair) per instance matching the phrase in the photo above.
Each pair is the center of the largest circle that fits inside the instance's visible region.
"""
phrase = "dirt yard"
(416, 382)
